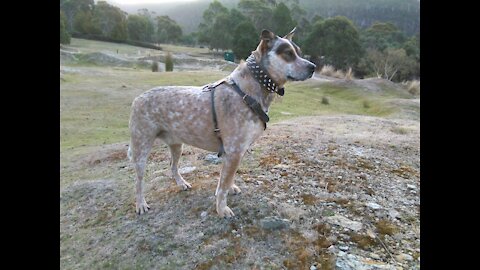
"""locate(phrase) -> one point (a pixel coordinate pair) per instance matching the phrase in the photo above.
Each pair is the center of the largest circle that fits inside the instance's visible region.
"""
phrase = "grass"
(95, 101)
(307, 98)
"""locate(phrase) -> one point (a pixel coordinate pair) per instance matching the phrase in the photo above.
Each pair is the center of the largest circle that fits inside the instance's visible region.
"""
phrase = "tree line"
(381, 50)
(84, 17)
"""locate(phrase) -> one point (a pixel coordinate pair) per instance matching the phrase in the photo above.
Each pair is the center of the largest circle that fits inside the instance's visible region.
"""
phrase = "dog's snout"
(312, 67)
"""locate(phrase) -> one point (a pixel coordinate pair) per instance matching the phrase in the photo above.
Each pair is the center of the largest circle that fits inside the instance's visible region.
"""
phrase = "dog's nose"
(312, 67)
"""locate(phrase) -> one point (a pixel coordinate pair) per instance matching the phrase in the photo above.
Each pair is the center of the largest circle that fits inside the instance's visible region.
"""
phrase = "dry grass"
(330, 71)
(349, 75)
(327, 70)
(413, 87)
(339, 74)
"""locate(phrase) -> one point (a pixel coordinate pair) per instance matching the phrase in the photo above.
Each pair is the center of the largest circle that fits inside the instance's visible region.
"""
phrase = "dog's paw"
(184, 185)
(235, 190)
(141, 207)
(225, 212)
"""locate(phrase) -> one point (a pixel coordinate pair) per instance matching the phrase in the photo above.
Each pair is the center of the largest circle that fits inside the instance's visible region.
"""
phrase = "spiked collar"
(262, 76)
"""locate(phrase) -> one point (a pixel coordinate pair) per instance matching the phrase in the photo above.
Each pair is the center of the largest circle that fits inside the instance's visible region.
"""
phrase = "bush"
(327, 70)
(366, 104)
(339, 74)
(168, 62)
(414, 87)
(155, 66)
(325, 101)
(349, 75)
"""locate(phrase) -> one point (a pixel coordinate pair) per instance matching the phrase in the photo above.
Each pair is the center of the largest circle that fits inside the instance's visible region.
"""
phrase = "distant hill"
(405, 14)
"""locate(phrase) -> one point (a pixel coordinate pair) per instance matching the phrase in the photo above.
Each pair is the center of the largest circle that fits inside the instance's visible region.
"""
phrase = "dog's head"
(281, 57)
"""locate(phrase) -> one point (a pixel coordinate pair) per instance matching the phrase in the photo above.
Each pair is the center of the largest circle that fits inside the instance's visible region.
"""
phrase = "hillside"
(327, 186)
(405, 14)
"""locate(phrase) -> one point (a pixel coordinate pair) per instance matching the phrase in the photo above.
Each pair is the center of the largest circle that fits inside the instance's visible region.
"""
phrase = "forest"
(378, 38)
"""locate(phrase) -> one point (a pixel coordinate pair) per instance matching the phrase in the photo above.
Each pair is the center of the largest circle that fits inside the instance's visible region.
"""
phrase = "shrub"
(414, 87)
(349, 75)
(168, 62)
(325, 101)
(339, 74)
(327, 70)
(366, 104)
(155, 66)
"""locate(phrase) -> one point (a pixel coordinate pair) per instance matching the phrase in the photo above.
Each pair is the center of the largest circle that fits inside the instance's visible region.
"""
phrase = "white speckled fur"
(182, 115)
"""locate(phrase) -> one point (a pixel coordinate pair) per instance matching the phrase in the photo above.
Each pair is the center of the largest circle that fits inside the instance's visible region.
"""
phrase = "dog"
(226, 116)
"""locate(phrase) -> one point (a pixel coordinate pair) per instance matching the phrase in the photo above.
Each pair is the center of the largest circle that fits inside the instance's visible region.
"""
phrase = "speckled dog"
(227, 116)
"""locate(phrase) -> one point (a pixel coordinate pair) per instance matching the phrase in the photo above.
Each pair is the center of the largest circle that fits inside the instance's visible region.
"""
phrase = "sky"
(131, 2)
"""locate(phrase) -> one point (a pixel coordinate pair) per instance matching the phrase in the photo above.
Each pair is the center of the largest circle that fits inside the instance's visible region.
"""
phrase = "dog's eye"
(290, 53)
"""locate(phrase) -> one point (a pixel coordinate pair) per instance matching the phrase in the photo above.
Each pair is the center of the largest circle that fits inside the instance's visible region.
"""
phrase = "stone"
(186, 170)
(213, 158)
(411, 186)
(344, 222)
(404, 257)
(373, 205)
(274, 223)
(343, 248)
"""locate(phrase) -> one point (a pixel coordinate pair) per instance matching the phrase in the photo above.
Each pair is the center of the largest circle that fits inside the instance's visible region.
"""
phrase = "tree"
(206, 29)
(282, 21)
(111, 21)
(381, 36)
(259, 12)
(392, 64)
(139, 28)
(64, 36)
(246, 39)
(83, 23)
(337, 40)
(72, 7)
(168, 30)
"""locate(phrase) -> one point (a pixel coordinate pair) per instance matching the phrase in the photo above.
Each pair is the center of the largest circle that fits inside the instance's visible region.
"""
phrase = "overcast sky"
(130, 2)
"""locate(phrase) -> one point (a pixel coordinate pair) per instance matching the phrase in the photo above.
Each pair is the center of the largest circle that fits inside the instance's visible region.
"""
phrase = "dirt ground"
(322, 192)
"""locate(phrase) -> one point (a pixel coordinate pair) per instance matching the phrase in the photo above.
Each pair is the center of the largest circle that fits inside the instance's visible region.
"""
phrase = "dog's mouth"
(290, 78)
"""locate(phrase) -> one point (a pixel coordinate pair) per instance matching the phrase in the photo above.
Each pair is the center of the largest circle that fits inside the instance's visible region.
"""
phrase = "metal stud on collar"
(262, 77)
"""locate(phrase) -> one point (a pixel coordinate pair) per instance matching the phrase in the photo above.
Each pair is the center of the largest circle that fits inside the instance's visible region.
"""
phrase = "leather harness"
(265, 81)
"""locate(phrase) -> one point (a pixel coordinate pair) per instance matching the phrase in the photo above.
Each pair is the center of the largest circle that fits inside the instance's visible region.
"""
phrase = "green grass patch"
(308, 98)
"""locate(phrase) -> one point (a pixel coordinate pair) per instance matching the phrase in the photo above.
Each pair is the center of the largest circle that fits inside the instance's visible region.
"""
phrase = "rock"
(339, 177)
(345, 222)
(186, 170)
(343, 248)
(373, 205)
(393, 213)
(281, 166)
(212, 158)
(313, 267)
(403, 257)
(411, 186)
(353, 262)
(203, 214)
(374, 256)
(274, 223)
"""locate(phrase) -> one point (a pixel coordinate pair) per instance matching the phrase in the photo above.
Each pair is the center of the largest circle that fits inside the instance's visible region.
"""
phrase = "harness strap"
(216, 130)
(252, 104)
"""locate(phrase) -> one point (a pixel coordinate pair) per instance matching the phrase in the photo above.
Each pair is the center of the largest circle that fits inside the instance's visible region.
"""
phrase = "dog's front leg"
(230, 165)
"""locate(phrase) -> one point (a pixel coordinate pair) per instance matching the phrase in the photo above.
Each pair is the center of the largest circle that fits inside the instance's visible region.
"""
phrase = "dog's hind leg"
(140, 147)
(176, 152)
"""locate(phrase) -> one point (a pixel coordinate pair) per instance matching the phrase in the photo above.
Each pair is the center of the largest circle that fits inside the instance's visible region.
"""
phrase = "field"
(318, 165)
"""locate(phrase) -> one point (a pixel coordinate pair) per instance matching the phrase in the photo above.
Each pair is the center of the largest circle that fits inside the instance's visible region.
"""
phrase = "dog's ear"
(289, 36)
(266, 39)
(267, 35)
